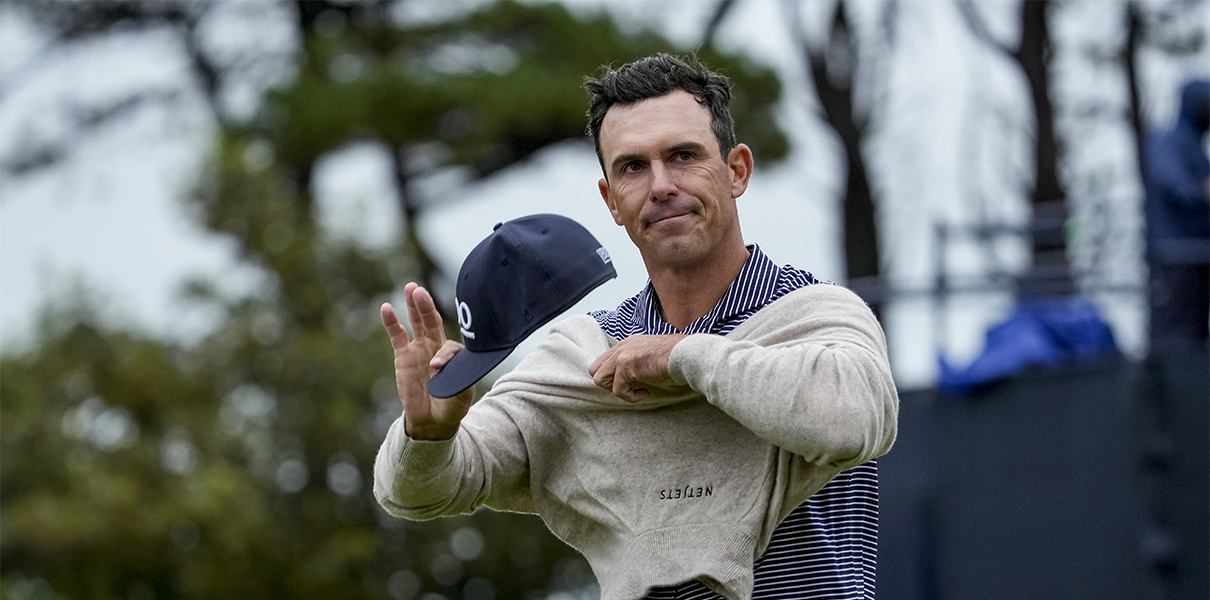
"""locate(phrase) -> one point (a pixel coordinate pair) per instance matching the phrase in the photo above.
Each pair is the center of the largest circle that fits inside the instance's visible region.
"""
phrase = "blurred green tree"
(239, 467)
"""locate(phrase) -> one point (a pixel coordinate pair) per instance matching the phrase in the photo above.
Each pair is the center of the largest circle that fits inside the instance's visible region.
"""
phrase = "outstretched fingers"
(429, 315)
(395, 330)
(409, 300)
(422, 312)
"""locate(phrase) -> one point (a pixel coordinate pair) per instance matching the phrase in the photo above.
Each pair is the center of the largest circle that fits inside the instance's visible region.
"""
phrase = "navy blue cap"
(527, 272)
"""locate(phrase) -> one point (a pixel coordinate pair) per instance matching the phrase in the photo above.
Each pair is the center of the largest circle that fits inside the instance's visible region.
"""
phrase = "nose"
(663, 184)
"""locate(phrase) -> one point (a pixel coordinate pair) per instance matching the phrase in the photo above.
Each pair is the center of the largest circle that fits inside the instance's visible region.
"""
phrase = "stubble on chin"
(678, 250)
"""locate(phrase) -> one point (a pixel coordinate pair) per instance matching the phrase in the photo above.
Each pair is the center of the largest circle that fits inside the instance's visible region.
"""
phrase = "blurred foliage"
(240, 467)
(482, 91)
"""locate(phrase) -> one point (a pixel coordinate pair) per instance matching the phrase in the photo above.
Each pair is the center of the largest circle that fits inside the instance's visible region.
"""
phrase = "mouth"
(668, 219)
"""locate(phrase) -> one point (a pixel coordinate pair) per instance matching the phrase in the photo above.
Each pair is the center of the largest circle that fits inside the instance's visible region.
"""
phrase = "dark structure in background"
(1088, 482)
(1177, 178)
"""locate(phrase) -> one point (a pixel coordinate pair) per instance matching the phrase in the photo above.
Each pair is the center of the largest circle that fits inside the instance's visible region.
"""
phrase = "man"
(1178, 226)
(818, 390)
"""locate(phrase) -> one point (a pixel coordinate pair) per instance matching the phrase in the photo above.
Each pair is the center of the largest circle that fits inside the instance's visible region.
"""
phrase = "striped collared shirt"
(827, 547)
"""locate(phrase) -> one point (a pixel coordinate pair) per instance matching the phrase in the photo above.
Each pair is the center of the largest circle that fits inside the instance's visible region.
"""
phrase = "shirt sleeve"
(813, 379)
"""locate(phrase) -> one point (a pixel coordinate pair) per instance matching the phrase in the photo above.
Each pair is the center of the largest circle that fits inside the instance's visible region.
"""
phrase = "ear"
(603, 187)
(739, 160)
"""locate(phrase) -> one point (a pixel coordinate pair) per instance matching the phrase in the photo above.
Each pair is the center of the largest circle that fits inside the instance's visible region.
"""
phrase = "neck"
(687, 293)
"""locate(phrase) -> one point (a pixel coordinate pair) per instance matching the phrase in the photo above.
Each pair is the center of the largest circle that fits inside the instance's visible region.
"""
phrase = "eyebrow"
(622, 159)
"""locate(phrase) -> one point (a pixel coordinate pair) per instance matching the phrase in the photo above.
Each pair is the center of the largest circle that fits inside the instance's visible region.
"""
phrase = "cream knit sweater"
(690, 482)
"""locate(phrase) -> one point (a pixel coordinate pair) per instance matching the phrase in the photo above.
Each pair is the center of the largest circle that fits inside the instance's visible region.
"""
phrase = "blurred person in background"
(1178, 225)
(824, 396)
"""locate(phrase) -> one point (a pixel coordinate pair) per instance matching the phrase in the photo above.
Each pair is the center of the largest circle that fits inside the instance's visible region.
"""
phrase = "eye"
(631, 166)
(684, 155)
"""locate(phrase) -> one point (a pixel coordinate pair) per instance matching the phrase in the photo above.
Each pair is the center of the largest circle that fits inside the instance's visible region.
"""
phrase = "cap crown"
(527, 272)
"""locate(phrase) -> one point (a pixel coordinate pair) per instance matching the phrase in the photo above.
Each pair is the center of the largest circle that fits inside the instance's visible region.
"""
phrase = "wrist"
(432, 432)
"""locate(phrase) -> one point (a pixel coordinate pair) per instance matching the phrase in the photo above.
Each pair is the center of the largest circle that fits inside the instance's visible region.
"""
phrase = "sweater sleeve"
(485, 463)
(814, 379)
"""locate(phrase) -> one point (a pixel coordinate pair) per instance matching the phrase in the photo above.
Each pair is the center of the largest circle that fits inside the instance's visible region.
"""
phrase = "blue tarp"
(1046, 333)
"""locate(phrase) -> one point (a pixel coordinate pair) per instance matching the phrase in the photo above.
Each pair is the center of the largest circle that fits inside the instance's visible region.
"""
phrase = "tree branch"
(33, 156)
(721, 10)
(975, 23)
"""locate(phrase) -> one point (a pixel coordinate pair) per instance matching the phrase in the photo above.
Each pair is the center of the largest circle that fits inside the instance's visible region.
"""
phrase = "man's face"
(667, 183)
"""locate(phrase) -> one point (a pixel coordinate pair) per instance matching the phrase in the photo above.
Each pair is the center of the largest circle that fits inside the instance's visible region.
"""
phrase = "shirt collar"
(753, 287)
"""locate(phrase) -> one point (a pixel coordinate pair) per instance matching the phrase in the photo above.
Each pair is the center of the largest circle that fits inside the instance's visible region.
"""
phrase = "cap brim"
(463, 370)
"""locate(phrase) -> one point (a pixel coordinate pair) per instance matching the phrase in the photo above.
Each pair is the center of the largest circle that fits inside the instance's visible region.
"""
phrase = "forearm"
(418, 479)
(484, 463)
(826, 395)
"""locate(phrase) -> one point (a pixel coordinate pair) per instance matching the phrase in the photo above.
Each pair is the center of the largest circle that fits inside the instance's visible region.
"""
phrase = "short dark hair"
(657, 76)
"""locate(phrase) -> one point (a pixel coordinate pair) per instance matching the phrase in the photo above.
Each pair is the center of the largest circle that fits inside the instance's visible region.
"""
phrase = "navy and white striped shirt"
(827, 547)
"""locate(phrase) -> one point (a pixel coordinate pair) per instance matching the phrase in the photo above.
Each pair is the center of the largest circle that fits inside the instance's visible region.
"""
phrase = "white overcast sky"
(110, 217)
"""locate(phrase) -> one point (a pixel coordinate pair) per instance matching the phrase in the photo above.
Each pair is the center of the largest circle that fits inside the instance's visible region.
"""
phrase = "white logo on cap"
(604, 254)
(464, 320)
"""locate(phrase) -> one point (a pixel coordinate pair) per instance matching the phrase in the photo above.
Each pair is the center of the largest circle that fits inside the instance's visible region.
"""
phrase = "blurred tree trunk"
(427, 271)
(1157, 27)
(1129, 59)
(1049, 273)
(717, 16)
(832, 68)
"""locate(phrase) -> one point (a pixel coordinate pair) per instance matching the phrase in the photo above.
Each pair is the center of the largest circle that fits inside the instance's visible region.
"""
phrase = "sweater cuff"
(409, 459)
(423, 459)
(693, 359)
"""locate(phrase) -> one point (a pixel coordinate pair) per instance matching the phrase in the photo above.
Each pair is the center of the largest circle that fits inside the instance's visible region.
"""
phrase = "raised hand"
(424, 417)
(634, 365)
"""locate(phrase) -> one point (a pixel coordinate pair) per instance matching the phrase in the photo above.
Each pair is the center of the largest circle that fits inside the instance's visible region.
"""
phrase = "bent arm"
(813, 377)
(490, 461)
